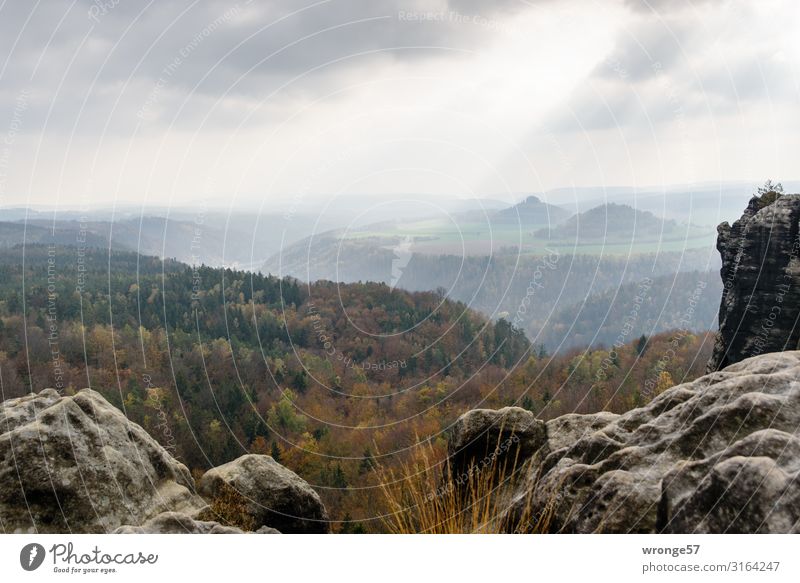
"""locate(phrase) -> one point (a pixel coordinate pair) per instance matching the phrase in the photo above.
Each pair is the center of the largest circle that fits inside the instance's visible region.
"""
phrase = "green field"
(438, 236)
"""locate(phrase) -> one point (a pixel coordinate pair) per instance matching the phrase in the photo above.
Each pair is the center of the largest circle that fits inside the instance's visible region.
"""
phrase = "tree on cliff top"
(769, 193)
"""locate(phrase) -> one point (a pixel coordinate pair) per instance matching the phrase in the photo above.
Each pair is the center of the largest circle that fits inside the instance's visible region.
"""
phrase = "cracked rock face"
(761, 282)
(719, 454)
(77, 464)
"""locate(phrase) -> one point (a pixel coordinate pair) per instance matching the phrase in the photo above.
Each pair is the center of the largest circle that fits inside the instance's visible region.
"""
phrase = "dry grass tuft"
(425, 495)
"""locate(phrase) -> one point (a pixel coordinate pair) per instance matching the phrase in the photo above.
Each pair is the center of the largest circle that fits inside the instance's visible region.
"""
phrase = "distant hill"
(611, 222)
(697, 203)
(688, 300)
(13, 234)
(212, 239)
(531, 212)
(502, 283)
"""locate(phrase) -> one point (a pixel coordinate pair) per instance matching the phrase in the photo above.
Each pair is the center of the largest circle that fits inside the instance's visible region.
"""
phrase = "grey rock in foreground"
(760, 272)
(177, 523)
(273, 495)
(720, 454)
(484, 436)
(77, 464)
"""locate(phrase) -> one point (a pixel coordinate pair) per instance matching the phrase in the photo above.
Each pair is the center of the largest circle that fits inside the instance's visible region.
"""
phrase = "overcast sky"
(169, 102)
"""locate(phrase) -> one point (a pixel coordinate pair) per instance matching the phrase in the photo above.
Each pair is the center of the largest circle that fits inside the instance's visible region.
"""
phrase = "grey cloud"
(673, 65)
(210, 47)
(623, 90)
(651, 47)
(496, 6)
(664, 7)
(207, 31)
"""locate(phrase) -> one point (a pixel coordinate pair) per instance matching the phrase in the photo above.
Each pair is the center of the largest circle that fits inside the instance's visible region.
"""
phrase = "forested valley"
(332, 380)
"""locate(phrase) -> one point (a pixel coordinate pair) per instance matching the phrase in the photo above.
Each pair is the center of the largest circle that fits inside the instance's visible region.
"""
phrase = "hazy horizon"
(558, 195)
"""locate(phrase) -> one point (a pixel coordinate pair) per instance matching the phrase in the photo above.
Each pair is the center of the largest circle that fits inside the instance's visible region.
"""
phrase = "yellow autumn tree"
(664, 382)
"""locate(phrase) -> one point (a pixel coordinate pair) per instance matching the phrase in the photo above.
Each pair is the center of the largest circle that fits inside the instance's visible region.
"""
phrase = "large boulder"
(271, 494)
(719, 454)
(485, 437)
(77, 464)
(760, 303)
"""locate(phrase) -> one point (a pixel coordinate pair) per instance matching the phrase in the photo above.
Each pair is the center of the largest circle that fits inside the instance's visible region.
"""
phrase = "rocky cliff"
(716, 455)
(761, 281)
(77, 464)
(720, 454)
